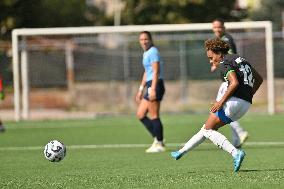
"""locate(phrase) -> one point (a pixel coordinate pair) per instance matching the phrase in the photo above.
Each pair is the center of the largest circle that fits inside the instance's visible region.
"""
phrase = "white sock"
(235, 137)
(236, 127)
(194, 141)
(220, 140)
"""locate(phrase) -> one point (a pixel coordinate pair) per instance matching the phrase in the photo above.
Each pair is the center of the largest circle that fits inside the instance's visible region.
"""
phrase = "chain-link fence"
(101, 72)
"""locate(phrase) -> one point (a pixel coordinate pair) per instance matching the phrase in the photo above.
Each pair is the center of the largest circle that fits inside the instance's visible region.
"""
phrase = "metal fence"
(183, 56)
(105, 68)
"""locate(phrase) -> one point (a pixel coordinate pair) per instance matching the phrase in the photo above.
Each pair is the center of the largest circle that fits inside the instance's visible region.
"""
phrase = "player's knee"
(140, 115)
(205, 127)
(206, 131)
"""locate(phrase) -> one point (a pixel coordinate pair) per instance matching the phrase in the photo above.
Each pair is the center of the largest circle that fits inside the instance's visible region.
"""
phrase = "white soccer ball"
(54, 151)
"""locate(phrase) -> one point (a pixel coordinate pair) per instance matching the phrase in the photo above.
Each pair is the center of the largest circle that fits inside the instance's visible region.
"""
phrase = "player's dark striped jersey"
(230, 41)
(243, 70)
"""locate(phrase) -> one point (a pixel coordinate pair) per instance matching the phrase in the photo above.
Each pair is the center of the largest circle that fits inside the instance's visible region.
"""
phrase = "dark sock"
(158, 129)
(148, 124)
(2, 128)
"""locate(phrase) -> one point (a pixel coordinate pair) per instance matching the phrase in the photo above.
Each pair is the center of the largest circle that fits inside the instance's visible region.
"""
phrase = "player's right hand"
(138, 97)
(216, 106)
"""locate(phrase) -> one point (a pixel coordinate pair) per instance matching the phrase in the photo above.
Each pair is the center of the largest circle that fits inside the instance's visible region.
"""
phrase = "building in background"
(248, 4)
(111, 8)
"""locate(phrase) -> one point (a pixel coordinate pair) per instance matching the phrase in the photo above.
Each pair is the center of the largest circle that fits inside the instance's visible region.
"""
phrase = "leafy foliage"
(65, 13)
(47, 13)
(270, 10)
(173, 12)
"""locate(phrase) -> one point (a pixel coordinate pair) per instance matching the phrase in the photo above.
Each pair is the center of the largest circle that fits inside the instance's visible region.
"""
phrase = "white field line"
(101, 146)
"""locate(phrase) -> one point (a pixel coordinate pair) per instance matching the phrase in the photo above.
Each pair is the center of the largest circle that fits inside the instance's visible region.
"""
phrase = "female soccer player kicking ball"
(243, 81)
(239, 135)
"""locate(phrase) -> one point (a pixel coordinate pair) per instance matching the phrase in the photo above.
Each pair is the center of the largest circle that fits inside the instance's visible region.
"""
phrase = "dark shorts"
(160, 90)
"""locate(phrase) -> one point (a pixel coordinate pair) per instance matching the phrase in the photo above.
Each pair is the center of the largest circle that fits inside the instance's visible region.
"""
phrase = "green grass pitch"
(109, 152)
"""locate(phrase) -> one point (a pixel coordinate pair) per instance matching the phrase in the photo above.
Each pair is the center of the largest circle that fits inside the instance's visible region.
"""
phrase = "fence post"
(183, 71)
(126, 68)
(25, 81)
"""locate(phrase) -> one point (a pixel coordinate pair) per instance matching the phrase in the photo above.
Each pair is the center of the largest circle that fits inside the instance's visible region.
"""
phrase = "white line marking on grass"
(101, 146)
(48, 127)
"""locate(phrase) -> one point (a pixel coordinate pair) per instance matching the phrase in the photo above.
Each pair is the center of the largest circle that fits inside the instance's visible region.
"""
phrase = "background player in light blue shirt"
(149, 57)
(152, 81)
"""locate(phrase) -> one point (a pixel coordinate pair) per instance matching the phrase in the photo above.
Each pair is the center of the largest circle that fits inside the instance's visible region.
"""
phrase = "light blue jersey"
(149, 57)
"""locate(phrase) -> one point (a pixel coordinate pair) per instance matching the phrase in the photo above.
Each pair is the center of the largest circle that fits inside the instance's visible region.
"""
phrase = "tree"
(52, 13)
(174, 12)
(6, 19)
(270, 10)
(47, 13)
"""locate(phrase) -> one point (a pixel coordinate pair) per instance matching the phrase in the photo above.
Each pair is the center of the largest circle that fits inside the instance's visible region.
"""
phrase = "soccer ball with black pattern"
(54, 151)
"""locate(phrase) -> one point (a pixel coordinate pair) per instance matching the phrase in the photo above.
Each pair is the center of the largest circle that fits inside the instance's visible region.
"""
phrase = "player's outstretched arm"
(234, 83)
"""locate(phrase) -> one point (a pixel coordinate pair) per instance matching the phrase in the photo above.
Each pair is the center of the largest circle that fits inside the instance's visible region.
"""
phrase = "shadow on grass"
(261, 170)
(240, 171)
(261, 147)
(214, 148)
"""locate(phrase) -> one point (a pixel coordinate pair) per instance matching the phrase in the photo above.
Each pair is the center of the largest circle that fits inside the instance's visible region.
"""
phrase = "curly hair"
(217, 46)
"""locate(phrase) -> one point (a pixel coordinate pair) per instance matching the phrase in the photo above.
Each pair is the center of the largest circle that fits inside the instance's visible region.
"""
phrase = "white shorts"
(221, 91)
(233, 109)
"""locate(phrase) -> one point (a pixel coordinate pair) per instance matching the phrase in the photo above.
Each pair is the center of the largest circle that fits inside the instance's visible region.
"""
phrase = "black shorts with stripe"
(160, 90)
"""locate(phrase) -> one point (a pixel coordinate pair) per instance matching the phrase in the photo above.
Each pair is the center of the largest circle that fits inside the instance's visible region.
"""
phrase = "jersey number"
(248, 78)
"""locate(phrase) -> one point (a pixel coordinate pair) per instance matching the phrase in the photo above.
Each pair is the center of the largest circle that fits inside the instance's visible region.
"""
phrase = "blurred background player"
(152, 80)
(218, 27)
(244, 81)
(239, 135)
(2, 96)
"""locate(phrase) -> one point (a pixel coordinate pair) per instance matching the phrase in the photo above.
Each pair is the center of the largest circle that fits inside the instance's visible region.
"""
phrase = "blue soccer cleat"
(176, 155)
(238, 160)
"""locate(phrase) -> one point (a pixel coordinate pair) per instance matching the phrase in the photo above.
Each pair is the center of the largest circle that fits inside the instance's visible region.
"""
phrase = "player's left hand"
(216, 106)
